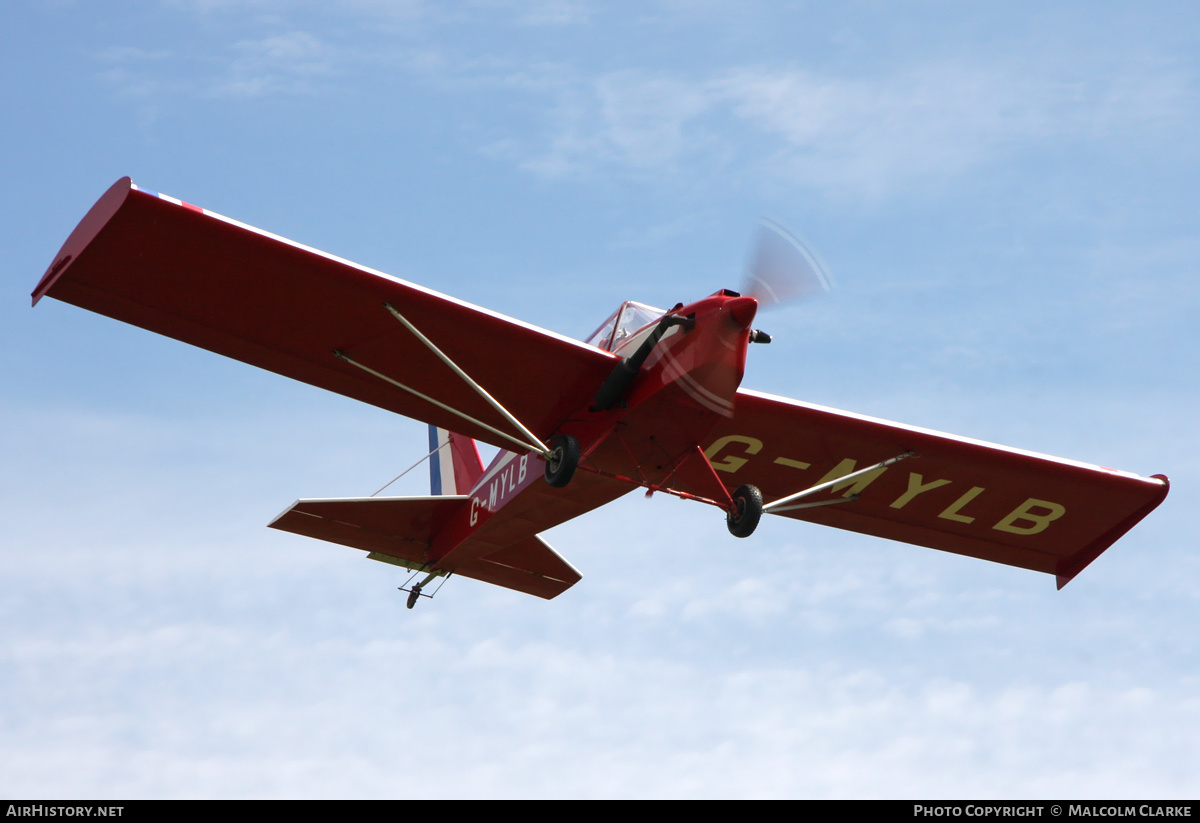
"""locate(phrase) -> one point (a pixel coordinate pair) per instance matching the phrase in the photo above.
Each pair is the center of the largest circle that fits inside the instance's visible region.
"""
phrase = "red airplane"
(651, 400)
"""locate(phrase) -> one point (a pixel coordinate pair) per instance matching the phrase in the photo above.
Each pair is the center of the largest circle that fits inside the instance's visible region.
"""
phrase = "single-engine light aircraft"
(651, 400)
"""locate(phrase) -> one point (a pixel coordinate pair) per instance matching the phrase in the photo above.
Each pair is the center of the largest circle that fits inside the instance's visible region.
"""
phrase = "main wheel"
(747, 510)
(564, 459)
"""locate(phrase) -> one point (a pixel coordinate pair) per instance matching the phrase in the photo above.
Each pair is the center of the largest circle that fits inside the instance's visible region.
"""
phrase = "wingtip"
(83, 234)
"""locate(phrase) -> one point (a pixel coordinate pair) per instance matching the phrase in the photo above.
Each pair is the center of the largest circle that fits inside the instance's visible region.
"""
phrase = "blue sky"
(1005, 196)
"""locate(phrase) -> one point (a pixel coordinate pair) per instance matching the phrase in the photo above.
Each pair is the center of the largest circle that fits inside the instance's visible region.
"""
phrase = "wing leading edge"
(188, 273)
(954, 494)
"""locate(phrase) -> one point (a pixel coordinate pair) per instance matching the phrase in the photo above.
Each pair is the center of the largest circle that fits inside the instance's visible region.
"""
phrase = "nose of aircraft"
(742, 310)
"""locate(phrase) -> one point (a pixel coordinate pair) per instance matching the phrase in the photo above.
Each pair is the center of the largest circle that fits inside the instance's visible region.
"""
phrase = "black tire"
(747, 511)
(564, 459)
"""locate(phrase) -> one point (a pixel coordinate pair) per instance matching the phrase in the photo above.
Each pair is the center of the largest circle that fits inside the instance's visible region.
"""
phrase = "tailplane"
(402, 530)
(399, 530)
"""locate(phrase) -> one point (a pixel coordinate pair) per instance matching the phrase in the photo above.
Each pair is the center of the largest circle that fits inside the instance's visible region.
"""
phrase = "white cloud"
(238, 702)
(844, 136)
(868, 137)
(553, 13)
(295, 62)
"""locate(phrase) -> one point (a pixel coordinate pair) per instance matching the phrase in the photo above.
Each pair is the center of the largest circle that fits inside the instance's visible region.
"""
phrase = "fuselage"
(684, 386)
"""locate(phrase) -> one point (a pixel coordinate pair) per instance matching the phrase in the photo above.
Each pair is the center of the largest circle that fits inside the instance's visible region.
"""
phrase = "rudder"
(455, 466)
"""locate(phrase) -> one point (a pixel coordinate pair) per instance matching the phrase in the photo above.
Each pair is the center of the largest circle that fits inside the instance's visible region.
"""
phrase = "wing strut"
(781, 505)
(530, 442)
(517, 424)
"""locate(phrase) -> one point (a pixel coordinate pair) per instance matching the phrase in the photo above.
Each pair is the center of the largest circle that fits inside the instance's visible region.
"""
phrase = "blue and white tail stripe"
(454, 463)
(441, 464)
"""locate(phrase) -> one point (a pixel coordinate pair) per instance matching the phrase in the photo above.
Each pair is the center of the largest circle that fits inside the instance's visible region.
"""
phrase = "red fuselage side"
(685, 386)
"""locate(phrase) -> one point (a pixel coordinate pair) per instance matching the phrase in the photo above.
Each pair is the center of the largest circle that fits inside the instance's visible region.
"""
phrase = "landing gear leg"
(747, 509)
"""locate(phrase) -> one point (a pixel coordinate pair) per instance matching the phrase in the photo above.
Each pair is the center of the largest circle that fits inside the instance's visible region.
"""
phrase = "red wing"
(210, 281)
(957, 495)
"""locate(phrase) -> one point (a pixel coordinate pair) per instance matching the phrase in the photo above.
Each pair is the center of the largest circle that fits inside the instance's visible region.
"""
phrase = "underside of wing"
(950, 493)
(190, 274)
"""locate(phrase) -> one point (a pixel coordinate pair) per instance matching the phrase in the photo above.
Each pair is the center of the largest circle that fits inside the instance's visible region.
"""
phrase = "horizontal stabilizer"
(403, 528)
(529, 566)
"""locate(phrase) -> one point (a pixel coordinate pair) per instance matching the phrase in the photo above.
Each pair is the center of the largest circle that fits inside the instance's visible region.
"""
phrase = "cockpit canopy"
(623, 323)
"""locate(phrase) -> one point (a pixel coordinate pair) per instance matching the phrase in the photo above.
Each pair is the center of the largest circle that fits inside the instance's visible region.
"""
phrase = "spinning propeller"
(781, 268)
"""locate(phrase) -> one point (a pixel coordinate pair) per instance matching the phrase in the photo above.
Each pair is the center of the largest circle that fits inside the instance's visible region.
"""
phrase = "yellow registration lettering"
(951, 512)
(915, 487)
(730, 463)
(1026, 512)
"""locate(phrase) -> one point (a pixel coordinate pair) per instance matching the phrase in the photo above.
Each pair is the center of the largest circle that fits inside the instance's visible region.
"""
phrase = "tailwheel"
(743, 519)
(564, 459)
(418, 589)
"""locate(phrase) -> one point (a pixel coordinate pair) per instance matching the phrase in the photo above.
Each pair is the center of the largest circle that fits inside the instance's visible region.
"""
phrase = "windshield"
(623, 323)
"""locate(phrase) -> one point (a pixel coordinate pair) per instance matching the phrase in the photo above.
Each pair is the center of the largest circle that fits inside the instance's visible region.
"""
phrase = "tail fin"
(456, 466)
